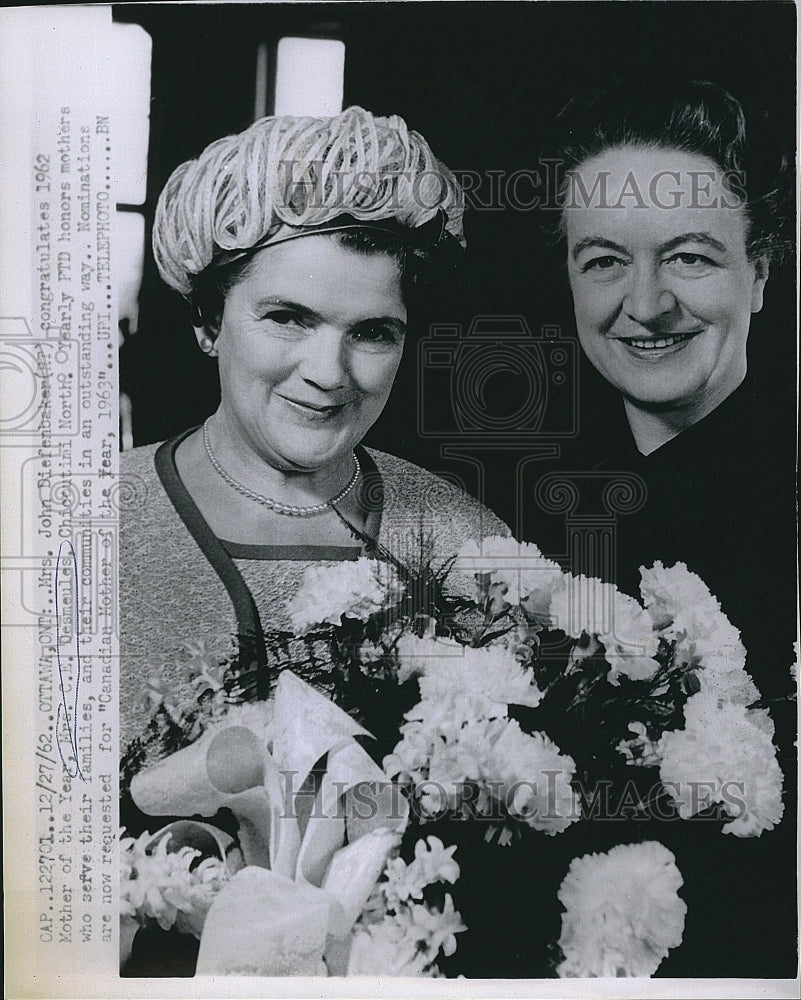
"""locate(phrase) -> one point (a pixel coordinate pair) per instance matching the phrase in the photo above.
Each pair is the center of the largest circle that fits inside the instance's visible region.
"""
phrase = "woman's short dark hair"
(697, 117)
(420, 267)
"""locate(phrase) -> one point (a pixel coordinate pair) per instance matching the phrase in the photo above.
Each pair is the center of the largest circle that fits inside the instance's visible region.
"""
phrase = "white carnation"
(671, 593)
(346, 590)
(526, 775)
(416, 655)
(725, 754)
(535, 778)
(622, 911)
(448, 735)
(735, 685)
(685, 611)
(588, 605)
(474, 683)
(519, 569)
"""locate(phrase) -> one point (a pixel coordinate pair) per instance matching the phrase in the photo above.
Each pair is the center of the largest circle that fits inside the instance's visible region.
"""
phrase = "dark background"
(482, 82)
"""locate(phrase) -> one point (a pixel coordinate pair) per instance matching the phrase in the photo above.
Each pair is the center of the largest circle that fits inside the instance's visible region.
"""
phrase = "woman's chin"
(300, 459)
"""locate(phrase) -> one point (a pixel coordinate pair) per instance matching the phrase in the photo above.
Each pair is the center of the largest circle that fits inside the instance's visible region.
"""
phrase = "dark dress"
(720, 497)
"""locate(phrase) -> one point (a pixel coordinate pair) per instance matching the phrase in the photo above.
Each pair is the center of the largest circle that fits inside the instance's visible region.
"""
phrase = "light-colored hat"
(286, 177)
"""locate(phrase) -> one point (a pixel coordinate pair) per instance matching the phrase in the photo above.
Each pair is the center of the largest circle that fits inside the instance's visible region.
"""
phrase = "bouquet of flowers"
(308, 888)
(500, 691)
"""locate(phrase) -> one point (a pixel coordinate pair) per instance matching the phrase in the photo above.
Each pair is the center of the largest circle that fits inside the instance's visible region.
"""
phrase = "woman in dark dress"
(673, 215)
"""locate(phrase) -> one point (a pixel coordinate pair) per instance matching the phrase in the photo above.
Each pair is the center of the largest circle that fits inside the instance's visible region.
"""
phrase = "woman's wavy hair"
(697, 117)
(420, 268)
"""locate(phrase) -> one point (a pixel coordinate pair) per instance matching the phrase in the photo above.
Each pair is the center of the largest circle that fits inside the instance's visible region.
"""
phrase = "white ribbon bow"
(291, 910)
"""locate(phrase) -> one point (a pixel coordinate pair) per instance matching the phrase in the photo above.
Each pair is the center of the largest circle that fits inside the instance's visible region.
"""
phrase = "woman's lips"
(656, 345)
(314, 411)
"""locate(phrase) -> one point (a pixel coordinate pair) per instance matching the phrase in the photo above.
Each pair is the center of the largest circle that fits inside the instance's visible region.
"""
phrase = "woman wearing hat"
(297, 243)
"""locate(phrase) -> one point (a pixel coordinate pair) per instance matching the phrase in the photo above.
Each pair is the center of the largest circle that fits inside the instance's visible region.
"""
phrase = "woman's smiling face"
(309, 343)
(663, 289)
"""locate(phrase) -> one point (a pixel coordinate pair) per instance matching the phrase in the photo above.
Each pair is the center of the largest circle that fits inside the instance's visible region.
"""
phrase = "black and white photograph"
(400, 500)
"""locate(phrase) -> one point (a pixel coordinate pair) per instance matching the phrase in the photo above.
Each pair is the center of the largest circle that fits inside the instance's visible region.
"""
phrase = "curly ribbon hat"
(286, 177)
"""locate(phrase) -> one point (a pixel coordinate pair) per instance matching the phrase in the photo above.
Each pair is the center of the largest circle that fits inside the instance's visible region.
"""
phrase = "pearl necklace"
(273, 505)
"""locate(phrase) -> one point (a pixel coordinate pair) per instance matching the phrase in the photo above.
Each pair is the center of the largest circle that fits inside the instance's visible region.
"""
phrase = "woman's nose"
(323, 361)
(647, 299)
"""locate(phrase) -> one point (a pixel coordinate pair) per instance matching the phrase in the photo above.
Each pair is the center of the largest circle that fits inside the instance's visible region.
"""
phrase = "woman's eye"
(283, 317)
(603, 266)
(695, 262)
(376, 334)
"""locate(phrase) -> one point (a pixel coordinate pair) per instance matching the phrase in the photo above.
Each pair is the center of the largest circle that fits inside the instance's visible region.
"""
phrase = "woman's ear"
(207, 328)
(761, 272)
(207, 339)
